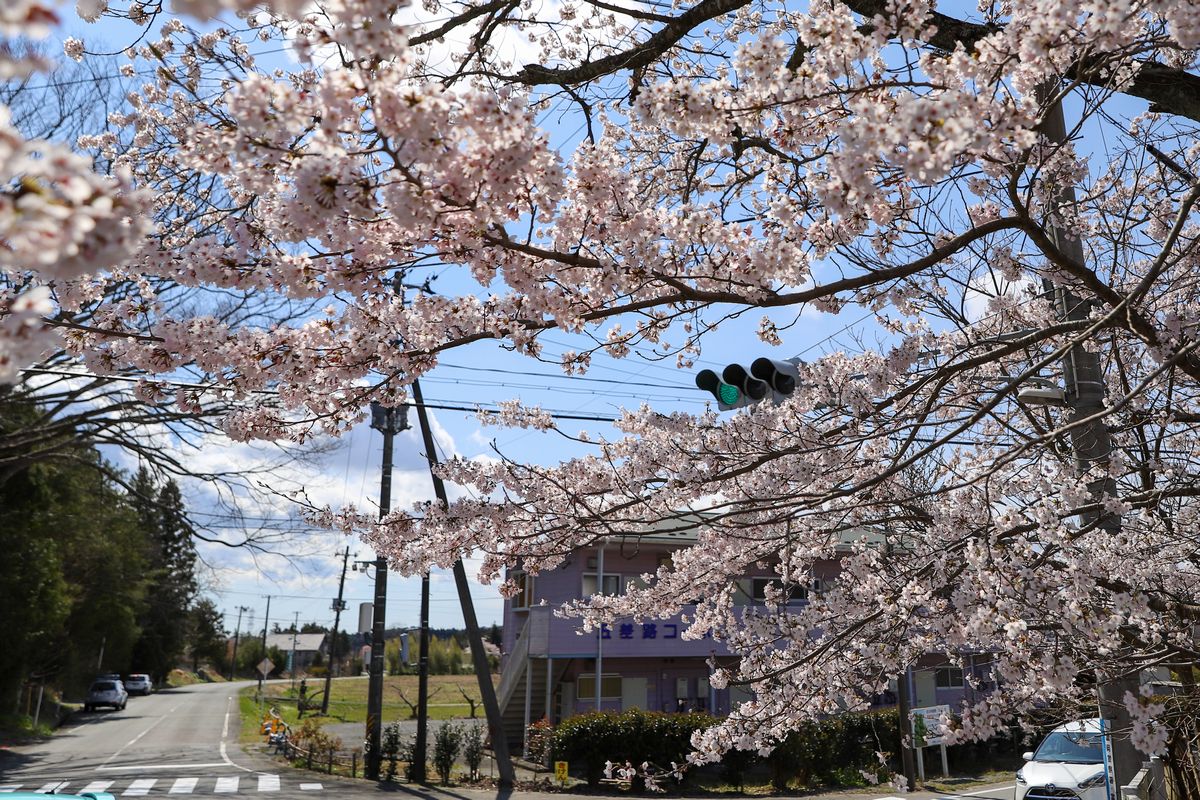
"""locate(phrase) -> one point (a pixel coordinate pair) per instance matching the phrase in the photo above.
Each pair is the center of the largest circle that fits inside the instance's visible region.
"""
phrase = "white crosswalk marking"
(226, 784)
(310, 787)
(10, 787)
(268, 783)
(184, 786)
(140, 786)
(54, 786)
(97, 786)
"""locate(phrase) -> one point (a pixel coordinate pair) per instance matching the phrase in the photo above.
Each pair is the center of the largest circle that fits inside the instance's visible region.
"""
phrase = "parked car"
(138, 683)
(106, 693)
(1069, 764)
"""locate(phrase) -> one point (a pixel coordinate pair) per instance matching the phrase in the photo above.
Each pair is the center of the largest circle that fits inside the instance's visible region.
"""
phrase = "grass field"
(348, 699)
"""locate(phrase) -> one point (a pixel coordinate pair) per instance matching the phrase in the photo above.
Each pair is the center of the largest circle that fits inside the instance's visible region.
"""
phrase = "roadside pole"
(483, 673)
(1091, 445)
(337, 621)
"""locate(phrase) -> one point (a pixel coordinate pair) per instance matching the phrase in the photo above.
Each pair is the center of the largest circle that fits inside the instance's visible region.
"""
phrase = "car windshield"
(103, 687)
(1071, 748)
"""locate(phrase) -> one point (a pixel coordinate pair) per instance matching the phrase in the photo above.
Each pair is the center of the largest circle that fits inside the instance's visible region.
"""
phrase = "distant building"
(306, 645)
(548, 668)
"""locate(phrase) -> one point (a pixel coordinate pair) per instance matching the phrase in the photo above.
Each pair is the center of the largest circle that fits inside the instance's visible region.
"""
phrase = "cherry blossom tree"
(778, 159)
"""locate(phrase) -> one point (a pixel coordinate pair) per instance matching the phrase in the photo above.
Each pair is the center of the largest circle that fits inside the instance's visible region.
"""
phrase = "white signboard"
(265, 666)
(925, 721)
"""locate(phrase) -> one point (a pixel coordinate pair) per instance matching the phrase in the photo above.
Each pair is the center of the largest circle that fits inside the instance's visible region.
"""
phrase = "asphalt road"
(184, 742)
(179, 742)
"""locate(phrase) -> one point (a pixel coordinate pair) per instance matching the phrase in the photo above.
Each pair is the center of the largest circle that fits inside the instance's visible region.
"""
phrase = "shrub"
(634, 735)
(446, 744)
(539, 739)
(473, 748)
(820, 752)
(390, 750)
(313, 739)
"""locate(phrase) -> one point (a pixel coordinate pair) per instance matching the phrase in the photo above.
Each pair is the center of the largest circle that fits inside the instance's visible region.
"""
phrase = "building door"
(633, 693)
(925, 683)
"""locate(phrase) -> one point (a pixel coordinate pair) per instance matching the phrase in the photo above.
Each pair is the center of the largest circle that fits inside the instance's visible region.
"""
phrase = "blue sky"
(303, 579)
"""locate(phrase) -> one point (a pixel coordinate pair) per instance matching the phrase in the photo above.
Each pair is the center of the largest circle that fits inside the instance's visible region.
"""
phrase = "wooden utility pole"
(338, 605)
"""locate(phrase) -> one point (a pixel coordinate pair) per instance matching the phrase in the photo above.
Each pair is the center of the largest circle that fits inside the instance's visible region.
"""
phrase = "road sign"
(925, 720)
(560, 772)
(265, 666)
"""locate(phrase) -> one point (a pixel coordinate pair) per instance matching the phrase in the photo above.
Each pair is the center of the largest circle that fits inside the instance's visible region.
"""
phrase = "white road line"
(10, 787)
(268, 783)
(986, 791)
(97, 786)
(310, 787)
(226, 784)
(141, 767)
(184, 786)
(135, 739)
(140, 786)
(56, 786)
(224, 732)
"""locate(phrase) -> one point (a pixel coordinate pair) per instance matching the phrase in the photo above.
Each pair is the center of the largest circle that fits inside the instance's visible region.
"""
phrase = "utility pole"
(908, 764)
(292, 660)
(1083, 385)
(389, 423)
(237, 630)
(338, 605)
(478, 657)
(266, 622)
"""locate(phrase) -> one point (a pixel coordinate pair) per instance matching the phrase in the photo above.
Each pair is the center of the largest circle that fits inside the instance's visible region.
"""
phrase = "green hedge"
(828, 752)
(588, 740)
(833, 750)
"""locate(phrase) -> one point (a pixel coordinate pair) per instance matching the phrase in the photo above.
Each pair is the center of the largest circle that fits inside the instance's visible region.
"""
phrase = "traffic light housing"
(736, 387)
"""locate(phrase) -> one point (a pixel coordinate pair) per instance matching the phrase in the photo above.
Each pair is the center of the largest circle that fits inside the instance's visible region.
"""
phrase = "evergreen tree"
(172, 556)
(71, 579)
(207, 634)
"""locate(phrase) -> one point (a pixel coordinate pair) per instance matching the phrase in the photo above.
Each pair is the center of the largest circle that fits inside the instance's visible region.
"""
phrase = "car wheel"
(122, 708)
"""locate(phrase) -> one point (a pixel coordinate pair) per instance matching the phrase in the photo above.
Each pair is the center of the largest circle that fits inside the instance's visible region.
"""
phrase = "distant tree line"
(99, 568)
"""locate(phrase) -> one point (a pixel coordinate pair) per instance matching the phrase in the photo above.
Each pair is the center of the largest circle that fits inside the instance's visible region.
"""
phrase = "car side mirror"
(1027, 755)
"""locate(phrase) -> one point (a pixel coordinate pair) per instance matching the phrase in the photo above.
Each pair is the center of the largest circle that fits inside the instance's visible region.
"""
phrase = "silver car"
(106, 693)
(138, 683)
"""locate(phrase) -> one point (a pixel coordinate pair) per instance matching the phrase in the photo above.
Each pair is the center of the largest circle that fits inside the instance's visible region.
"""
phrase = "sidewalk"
(998, 791)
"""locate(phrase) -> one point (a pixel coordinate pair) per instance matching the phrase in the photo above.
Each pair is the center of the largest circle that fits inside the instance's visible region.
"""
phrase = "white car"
(138, 683)
(106, 693)
(1068, 765)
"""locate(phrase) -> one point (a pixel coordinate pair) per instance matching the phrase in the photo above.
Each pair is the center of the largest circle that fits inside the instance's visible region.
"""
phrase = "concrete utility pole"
(338, 605)
(908, 764)
(237, 630)
(1083, 385)
(478, 657)
(389, 423)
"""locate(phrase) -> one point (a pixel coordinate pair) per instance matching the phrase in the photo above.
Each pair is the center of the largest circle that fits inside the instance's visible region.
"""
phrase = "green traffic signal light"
(726, 394)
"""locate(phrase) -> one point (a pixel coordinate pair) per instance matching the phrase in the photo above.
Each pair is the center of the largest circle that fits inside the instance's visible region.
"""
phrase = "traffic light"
(736, 387)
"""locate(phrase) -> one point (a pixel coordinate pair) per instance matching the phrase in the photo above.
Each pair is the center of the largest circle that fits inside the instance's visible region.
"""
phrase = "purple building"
(549, 666)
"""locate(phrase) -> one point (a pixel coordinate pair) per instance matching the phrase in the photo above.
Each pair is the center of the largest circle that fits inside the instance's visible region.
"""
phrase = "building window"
(524, 583)
(949, 678)
(612, 585)
(610, 686)
(790, 593)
